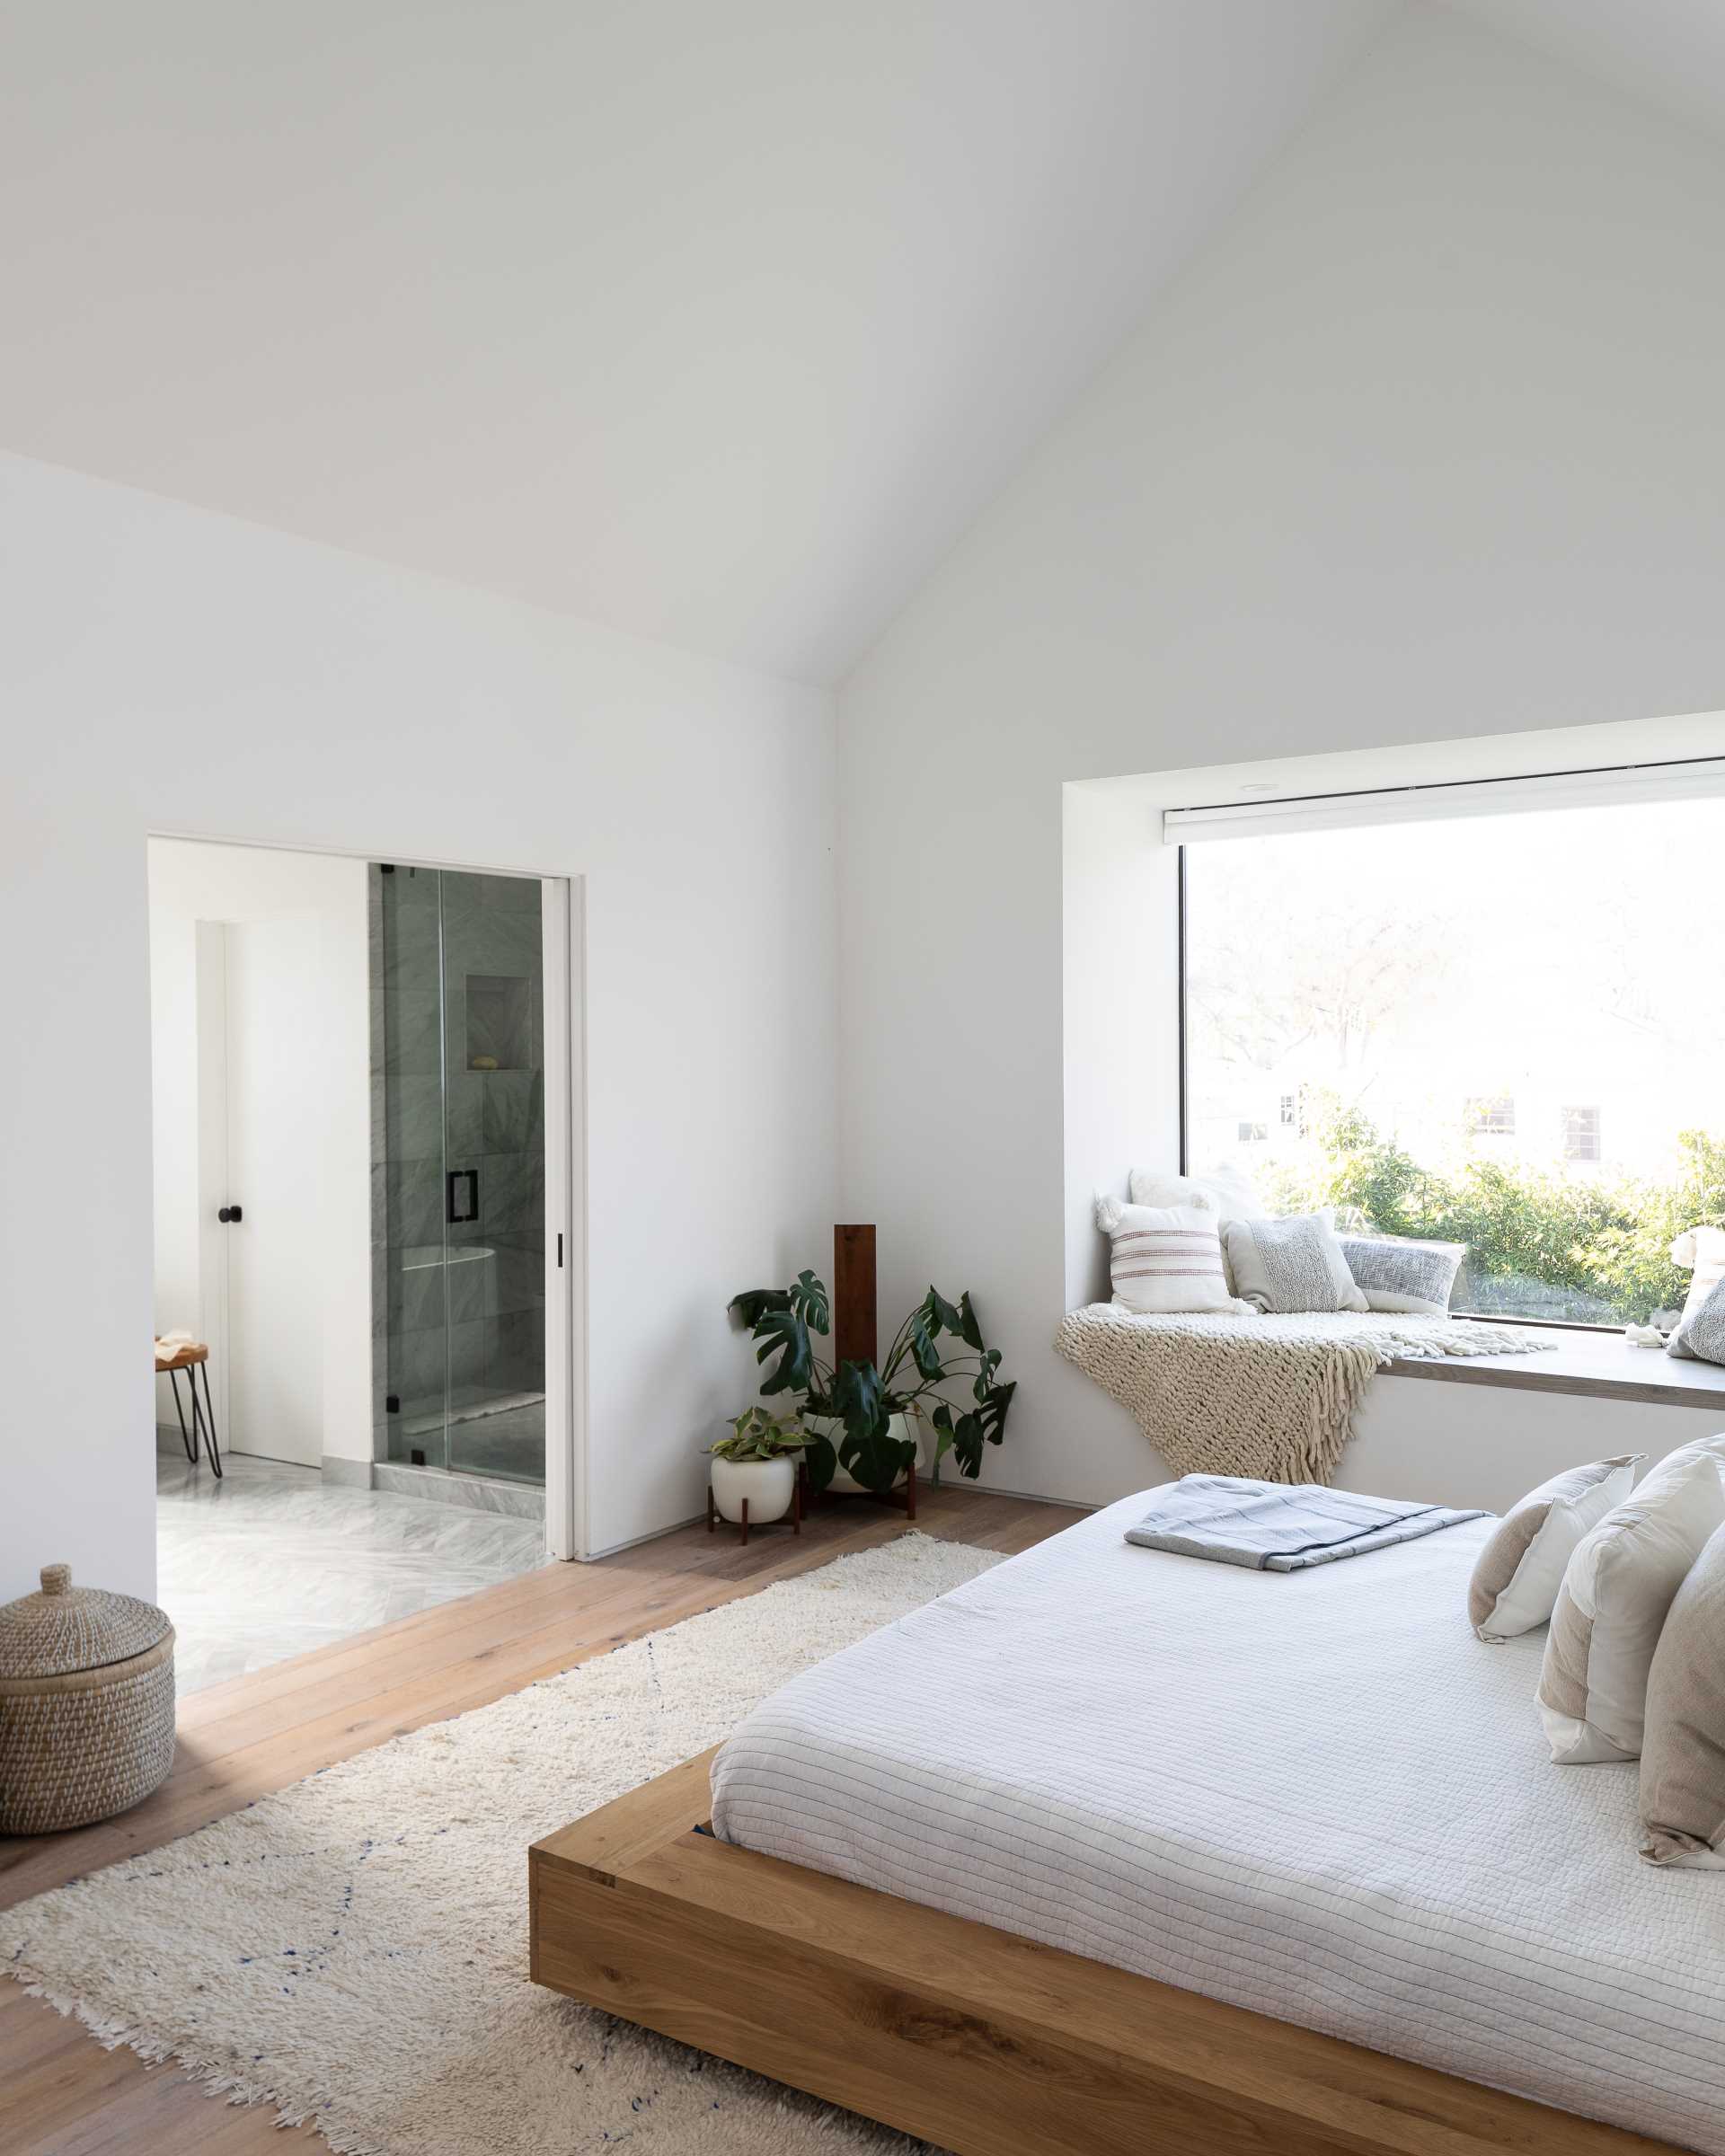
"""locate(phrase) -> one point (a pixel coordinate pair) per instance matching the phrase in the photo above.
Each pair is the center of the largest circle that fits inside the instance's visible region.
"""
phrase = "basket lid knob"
(56, 1578)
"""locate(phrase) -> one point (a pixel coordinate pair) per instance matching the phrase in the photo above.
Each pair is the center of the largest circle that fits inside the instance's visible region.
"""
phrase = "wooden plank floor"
(61, 2094)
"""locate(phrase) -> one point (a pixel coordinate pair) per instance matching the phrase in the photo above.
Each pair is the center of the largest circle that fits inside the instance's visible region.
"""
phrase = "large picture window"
(1507, 1032)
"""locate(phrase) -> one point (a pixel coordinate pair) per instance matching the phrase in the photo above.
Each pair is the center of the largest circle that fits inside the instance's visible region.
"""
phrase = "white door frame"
(211, 992)
(564, 914)
(563, 918)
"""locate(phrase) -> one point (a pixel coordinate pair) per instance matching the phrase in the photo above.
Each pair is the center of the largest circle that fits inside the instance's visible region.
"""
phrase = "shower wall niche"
(458, 1171)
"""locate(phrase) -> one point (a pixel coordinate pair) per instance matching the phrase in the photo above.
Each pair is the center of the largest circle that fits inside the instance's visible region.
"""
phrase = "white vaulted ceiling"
(1670, 52)
(716, 320)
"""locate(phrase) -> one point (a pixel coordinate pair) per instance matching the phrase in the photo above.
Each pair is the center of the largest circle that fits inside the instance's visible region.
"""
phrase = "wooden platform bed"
(981, 2042)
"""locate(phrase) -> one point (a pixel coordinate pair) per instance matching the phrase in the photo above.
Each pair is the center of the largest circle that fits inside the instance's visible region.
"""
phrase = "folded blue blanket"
(1280, 1526)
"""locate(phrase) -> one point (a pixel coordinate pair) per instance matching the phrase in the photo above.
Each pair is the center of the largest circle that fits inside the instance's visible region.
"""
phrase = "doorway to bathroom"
(366, 1186)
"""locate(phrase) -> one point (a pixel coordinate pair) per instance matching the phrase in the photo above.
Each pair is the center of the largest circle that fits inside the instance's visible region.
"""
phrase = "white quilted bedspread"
(1316, 1795)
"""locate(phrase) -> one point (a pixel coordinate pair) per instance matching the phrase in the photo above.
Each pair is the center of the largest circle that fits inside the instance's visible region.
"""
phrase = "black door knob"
(229, 1214)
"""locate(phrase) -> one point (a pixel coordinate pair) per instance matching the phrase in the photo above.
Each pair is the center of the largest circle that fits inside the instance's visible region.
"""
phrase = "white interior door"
(276, 1272)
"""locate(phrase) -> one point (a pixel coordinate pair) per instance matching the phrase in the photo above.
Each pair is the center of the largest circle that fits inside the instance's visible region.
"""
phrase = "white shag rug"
(353, 1950)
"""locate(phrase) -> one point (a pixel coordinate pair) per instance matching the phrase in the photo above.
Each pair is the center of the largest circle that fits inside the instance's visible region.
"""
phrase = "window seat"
(1485, 1430)
(1600, 1365)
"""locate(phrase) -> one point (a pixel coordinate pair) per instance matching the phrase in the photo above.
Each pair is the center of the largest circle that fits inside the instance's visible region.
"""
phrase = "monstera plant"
(939, 1369)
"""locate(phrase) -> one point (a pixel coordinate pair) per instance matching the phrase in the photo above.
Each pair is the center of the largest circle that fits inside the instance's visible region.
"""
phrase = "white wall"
(316, 1329)
(1428, 445)
(165, 670)
(1472, 1444)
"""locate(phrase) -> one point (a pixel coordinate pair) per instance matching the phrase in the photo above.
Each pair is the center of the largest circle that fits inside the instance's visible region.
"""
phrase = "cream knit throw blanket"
(1272, 1397)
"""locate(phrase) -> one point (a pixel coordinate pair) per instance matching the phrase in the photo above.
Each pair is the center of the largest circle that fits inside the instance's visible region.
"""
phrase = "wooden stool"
(192, 1359)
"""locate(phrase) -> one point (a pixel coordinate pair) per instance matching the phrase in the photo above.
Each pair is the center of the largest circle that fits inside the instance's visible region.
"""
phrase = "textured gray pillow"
(1701, 1336)
(1290, 1265)
(1682, 1748)
(1393, 1272)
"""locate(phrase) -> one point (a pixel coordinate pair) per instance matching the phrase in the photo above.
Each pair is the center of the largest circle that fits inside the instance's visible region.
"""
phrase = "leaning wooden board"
(981, 2042)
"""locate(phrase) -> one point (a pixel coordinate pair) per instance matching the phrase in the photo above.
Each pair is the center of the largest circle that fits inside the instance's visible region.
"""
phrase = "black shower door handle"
(460, 1195)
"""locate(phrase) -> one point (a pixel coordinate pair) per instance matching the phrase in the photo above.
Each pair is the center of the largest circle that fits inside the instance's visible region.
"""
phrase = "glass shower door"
(493, 983)
(458, 988)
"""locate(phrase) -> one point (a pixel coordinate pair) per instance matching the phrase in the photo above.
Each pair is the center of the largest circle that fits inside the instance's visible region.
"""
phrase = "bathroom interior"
(348, 1115)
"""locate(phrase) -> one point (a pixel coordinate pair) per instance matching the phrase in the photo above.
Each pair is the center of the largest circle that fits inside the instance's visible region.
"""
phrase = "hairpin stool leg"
(210, 1445)
(188, 1437)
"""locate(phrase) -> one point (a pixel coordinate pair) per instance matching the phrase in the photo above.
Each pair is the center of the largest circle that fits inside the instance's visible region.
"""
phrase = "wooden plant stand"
(794, 1515)
(819, 1500)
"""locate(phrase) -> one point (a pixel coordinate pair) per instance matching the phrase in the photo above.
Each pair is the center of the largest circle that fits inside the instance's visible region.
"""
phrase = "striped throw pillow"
(1164, 1258)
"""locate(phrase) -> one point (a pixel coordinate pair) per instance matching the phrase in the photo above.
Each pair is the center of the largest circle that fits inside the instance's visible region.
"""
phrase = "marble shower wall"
(458, 1086)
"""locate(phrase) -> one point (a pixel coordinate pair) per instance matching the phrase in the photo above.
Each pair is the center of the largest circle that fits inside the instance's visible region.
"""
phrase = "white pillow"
(1704, 1250)
(1291, 1265)
(1612, 1605)
(1163, 1258)
(1518, 1573)
(1227, 1191)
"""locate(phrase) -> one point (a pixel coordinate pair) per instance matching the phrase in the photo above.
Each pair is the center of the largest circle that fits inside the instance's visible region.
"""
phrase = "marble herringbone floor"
(268, 1563)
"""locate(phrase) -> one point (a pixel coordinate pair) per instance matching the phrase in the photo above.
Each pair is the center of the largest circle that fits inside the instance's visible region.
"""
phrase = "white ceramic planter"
(767, 1484)
(827, 1427)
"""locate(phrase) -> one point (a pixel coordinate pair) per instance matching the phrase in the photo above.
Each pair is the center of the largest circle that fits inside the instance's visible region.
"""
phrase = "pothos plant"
(756, 1434)
(938, 1349)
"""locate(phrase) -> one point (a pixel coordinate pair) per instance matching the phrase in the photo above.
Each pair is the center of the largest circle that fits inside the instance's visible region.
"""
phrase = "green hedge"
(1541, 1244)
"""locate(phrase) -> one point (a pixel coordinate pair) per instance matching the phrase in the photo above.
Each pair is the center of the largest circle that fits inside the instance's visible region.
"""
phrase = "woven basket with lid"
(86, 1705)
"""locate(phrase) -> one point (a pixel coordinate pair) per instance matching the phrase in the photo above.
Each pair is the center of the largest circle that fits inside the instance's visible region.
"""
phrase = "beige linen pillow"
(1518, 1573)
(1295, 1264)
(1683, 1752)
(1612, 1604)
(1163, 1258)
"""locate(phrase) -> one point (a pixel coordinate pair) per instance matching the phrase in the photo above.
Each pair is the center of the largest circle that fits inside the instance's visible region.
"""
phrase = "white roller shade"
(1427, 804)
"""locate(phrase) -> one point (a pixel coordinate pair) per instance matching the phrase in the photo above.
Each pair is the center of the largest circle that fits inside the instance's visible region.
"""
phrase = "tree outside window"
(1464, 1032)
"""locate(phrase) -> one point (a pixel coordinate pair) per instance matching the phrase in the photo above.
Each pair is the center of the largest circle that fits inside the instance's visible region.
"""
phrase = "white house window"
(1582, 1135)
(1485, 1029)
